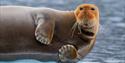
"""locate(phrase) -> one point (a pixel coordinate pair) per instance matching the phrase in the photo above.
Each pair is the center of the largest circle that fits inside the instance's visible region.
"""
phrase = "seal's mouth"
(86, 27)
(86, 32)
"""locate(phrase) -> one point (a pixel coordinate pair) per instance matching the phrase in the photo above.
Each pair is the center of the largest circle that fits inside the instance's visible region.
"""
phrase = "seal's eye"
(80, 8)
(92, 8)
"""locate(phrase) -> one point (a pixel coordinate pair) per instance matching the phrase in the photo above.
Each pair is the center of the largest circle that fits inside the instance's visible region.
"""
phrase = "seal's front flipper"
(45, 29)
(68, 53)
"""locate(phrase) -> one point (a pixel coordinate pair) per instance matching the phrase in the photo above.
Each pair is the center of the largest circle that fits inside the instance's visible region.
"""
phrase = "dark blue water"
(110, 45)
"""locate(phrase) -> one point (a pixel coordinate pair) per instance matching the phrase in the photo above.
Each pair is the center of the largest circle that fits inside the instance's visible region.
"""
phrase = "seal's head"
(87, 18)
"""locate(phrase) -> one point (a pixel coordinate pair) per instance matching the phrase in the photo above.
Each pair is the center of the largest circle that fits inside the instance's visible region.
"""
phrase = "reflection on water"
(110, 45)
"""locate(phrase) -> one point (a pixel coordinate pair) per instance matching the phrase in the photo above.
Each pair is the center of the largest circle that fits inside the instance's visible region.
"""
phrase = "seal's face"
(87, 16)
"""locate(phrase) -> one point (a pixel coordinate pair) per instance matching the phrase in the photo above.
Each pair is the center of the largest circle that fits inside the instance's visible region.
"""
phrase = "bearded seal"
(66, 36)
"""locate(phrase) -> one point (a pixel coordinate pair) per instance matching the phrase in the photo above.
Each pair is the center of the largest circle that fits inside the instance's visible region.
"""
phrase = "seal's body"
(23, 28)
